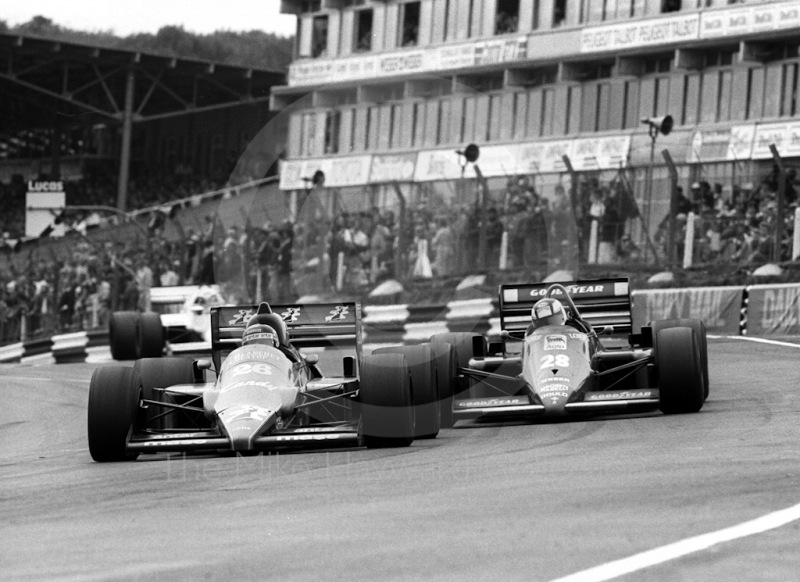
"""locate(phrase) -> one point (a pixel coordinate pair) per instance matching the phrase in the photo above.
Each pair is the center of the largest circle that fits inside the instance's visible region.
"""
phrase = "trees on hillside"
(253, 48)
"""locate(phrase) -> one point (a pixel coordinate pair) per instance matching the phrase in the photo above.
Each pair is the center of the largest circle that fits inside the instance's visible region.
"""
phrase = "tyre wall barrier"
(718, 307)
(753, 310)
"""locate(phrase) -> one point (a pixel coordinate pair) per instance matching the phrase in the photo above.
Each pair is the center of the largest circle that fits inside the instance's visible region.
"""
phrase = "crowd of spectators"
(76, 283)
(737, 229)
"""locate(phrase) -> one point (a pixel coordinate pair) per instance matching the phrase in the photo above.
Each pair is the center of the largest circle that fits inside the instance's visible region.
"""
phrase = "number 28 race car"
(551, 362)
(267, 393)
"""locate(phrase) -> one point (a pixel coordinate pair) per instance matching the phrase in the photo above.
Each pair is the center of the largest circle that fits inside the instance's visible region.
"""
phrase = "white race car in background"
(180, 316)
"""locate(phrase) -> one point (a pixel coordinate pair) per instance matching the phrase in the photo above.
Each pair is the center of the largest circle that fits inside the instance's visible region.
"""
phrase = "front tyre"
(387, 416)
(680, 371)
(113, 412)
(424, 387)
(700, 332)
(446, 380)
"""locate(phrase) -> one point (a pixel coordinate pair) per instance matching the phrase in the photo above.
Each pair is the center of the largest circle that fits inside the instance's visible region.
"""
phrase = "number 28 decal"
(558, 361)
(262, 369)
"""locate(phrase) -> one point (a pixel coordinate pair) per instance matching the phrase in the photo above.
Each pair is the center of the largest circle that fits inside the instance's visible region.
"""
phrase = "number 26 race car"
(552, 363)
(267, 394)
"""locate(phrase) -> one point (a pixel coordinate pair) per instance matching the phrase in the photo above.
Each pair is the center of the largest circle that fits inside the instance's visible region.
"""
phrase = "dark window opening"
(368, 128)
(364, 30)
(319, 37)
(659, 65)
(333, 121)
(469, 17)
(446, 18)
(409, 33)
(559, 12)
(310, 6)
(670, 5)
(507, 17)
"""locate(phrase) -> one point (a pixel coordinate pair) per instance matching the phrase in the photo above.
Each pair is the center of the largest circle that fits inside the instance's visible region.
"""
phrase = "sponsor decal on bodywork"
(242, 317)
(246, 412)
(619, 395)
(267, 385)
(338, 313)
(555, 342)
(555, 379)
(318, 429)
(308, 437)
(571, 289)
(291, 314)
(255, 355)
(184, 435)
(177, 442)
(511, 401)
(548, 388)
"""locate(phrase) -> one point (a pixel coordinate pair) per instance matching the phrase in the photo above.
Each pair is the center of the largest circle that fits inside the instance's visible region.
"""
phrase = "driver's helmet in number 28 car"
(548, 311)
(260, 334)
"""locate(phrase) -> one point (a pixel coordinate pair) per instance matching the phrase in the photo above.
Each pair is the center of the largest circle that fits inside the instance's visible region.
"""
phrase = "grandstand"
(123, 128)
(553, 92)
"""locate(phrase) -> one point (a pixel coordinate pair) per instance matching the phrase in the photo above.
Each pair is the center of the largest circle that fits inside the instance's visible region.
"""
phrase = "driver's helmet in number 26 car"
(260, 334)
(548, 311)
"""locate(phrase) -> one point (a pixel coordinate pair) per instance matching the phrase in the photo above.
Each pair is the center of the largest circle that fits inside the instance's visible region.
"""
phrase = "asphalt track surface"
(481, 502)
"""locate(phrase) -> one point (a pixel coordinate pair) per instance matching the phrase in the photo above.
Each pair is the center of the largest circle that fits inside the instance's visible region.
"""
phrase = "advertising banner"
(392, 168)
(710, 145)
(43, 202)
(641, 33)
(718, 307)
(773, 309)
(740, 146)
(339, 172)
(750, 19)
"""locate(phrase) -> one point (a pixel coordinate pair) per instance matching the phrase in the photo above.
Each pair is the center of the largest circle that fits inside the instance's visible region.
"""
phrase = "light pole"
(655, 125)
(470, 155)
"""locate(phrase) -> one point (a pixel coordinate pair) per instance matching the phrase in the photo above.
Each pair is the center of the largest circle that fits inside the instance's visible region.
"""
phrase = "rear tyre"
(700, 332)
(151, 335)
(387, 416)
(462, 342)
(424, 387)
(113, 412)
(123, 335)
(680, 372)
(446, 379)
(151, 373)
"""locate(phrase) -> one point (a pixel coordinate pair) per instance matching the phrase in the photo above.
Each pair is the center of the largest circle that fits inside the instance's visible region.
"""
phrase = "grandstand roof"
(38, 74)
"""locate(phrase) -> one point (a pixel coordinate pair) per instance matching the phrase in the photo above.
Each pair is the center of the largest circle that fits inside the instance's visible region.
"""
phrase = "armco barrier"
(773, 309)
(12, 353)
(70, 347)
(766, 309)
(718, 307)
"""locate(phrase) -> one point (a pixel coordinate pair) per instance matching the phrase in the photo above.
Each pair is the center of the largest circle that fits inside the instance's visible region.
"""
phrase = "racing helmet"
(260, 334)
(548, 311)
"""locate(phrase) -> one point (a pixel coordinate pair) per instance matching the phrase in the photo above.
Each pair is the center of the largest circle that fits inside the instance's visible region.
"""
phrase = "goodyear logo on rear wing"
(589, 290)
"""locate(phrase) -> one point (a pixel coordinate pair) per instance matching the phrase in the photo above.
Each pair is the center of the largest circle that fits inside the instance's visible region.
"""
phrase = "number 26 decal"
(559, 361)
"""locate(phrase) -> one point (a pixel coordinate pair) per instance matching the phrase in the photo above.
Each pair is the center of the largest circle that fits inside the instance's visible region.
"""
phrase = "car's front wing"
(608, 402)
(303, 437)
